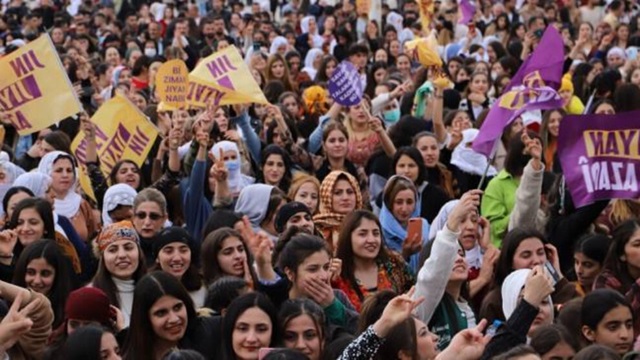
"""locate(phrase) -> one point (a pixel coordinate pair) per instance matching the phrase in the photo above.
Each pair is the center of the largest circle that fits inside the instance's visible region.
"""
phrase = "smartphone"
(552, 272)
(632, 52)
(538, 33)
(414, 227)
(257, 46)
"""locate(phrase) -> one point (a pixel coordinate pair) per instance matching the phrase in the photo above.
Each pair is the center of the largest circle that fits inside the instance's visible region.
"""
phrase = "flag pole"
(489, 161)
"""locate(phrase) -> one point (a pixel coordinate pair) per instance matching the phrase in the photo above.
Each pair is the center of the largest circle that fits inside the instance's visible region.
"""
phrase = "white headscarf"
(254, 202)
(308, 62)
(37, 182)
(468, 160)
(70, 205)
(304, 26)
(236, 180)
(118, 194)
(11, 170)
(277, 43)
(511, 288)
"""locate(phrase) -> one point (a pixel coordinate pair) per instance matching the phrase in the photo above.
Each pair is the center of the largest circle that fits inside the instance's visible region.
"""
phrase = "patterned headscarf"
(122, 230)
(327, 218)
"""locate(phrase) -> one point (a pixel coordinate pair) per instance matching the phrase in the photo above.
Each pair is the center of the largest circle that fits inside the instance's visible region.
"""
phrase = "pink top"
(361, 150)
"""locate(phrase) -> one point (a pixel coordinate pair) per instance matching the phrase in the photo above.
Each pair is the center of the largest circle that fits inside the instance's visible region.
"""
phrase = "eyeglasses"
(151, 215)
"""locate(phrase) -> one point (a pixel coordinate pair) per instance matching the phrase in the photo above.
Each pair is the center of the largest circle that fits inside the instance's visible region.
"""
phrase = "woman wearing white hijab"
(60, 166)
(118, 203)
(236, 180)
(312, 62)
(309, 26)
(279, 45)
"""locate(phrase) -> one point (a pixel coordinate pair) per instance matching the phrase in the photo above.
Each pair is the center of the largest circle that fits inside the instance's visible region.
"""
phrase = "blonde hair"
(300, 179)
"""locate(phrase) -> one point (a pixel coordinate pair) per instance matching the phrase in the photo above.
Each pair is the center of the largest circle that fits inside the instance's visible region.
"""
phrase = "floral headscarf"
(327, 218)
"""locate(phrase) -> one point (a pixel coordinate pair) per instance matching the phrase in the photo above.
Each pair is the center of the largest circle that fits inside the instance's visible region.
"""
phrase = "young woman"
(400, 204)
(68, 203)
(312, 62)
(225, 253)
(549, 133)
(554, 342)
(250, 324)
(276, 168)
(408, 162)
(149, 217)
(367, 265)
(335, 144)
(476, 98)
(260, 203)
(164, 318)
(305, 189)
(366, 134)
(437, 172)
(589, 255)
(306, 265)
(173, 254)
(303, 327)
(277, 69)
(339, 196)
(121, 265)
(92, 342)
(43, 268)
(620, 267)
(607, 319)
(524, 249)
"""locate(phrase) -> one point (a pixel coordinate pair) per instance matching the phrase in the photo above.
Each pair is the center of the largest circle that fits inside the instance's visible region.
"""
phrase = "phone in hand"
(414, 228)
(552, 272)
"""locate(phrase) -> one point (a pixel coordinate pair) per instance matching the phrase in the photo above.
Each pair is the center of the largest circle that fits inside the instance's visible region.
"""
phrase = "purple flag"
(468, 10)
(345, 86)
(600, 156)
(534, 87)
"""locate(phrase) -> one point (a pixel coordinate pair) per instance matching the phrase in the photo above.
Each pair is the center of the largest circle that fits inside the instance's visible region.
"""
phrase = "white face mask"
(150, 52)
(494, 76)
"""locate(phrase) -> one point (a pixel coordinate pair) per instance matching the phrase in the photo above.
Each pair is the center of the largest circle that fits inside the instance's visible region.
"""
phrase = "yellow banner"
(122, 132)
(35, 91)
(427, 9)
(173, 82)
(223, 77)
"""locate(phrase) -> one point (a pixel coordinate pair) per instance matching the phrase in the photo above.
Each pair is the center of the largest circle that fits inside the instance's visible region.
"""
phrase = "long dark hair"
(84, 343)
(43, 208)
(236, 309)
(103, 281)
(210, 248)
(509, 246)
(613, 263)
(286, 159)
(63, 281)
(598, 303)
(415, 155)
(114, 172)
(294, 308)
(149, 289)
(516, 160)
(344, 249)
(12, 191)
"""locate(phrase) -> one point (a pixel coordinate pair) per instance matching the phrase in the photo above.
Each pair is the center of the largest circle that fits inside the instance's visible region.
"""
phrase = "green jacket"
(497, 203)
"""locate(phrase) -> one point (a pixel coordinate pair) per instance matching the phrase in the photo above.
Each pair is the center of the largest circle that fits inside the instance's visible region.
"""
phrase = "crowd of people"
(304, 229)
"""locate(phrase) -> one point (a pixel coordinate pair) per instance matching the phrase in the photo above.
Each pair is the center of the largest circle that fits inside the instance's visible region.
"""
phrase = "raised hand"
(532, 147)
(219, 169)
(485, 226)
(538, 286)
(335, 268)
(412, 245)
(8, 240)
(16, 323)
(467, 344)
(469, 202)
(396, 311)
(319, 291)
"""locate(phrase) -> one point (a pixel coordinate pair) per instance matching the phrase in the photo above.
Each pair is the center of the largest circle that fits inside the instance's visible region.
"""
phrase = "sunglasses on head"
(153, 216)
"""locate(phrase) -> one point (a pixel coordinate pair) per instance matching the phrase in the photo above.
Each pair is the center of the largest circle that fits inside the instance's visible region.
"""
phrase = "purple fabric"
(468, 10)
(600, 156)
(534, 87)
(345, 86)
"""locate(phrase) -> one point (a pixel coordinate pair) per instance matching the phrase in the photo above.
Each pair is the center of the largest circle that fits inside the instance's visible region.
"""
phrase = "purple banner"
(532, 88)
(600, 156)
(345, 86)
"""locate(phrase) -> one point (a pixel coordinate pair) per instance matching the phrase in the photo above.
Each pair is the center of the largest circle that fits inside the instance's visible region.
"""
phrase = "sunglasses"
(151, 215)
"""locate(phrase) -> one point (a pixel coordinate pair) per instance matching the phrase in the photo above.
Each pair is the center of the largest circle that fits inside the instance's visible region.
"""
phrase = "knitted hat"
(111, 233)
(89, 304)
(287, 211)
(168, 236)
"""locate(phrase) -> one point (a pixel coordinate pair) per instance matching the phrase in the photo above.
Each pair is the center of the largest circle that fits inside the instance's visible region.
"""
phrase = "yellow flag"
(173, 82)
(122, 132)
(427, 9)
(35, 91)
(425, 50)
(223, 77)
